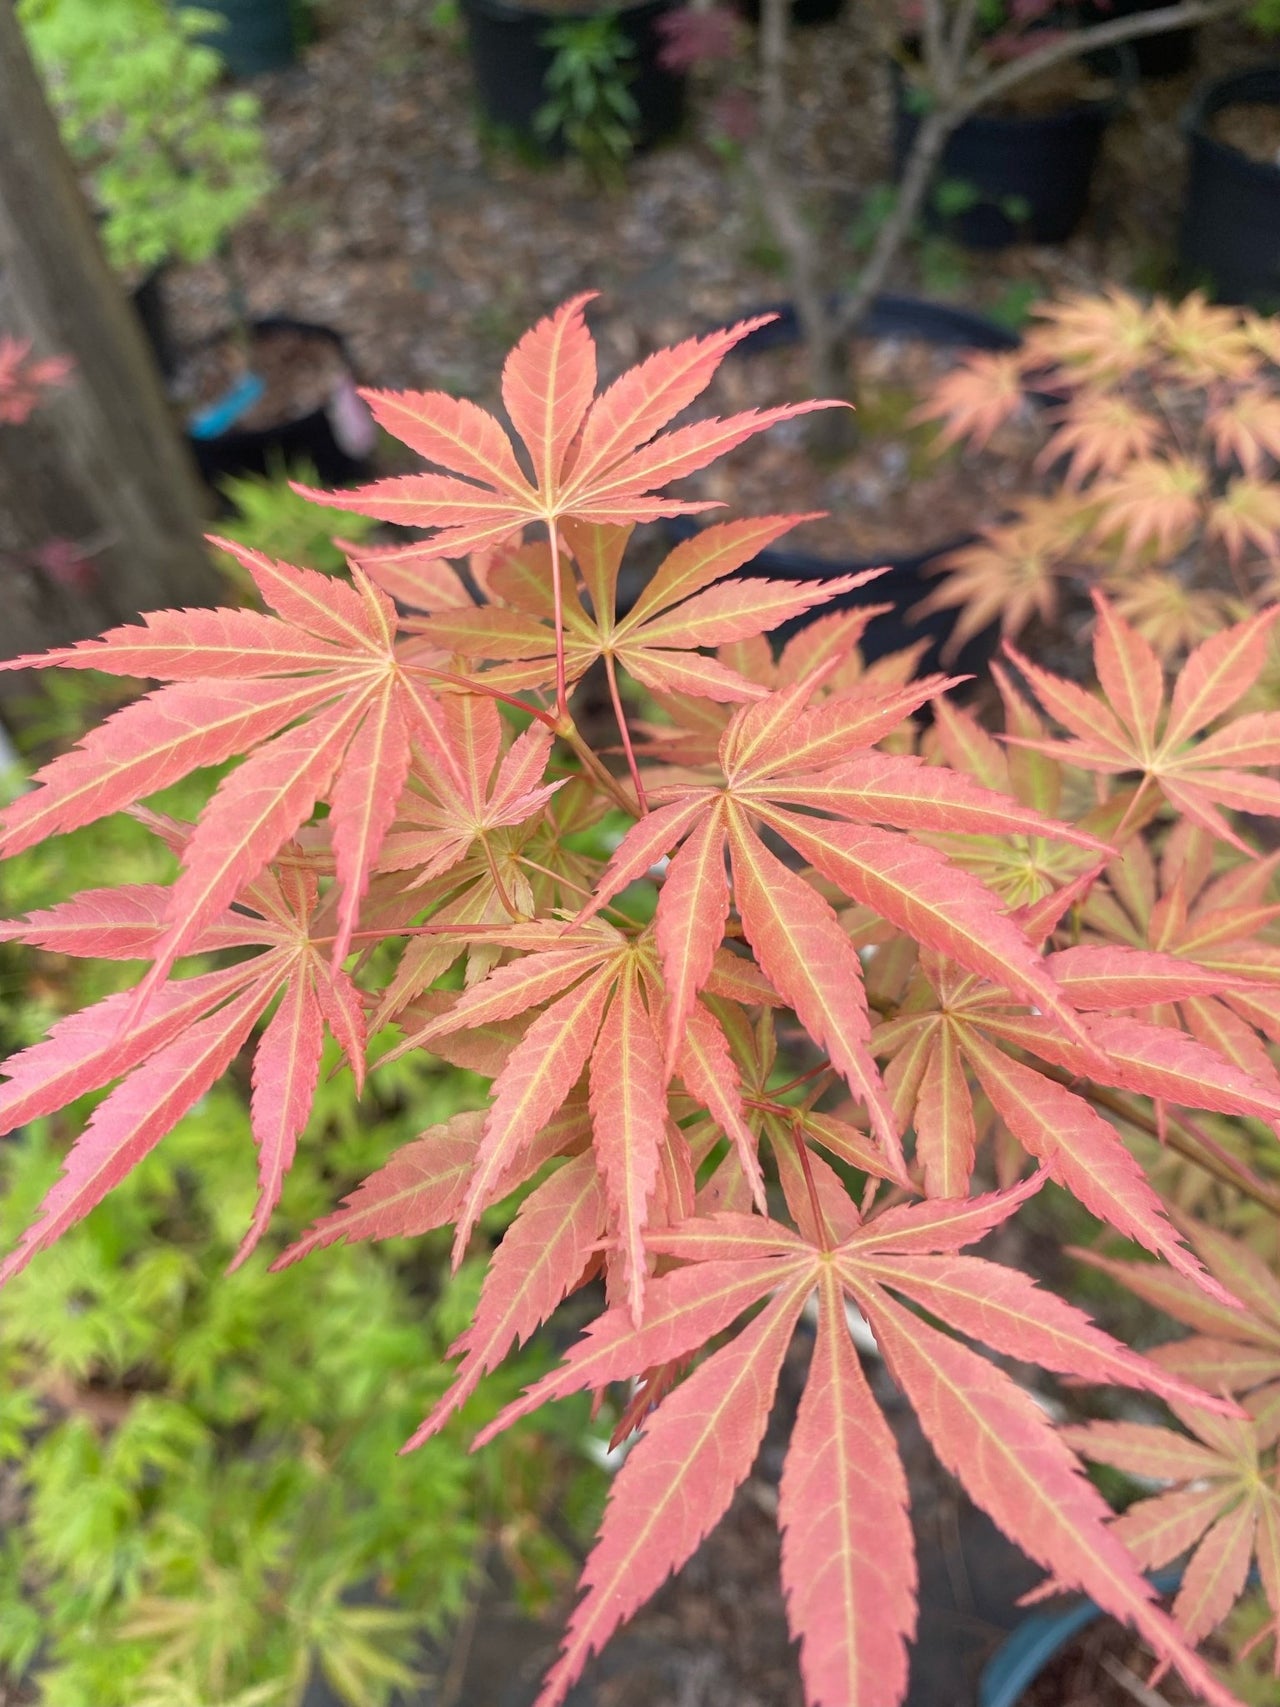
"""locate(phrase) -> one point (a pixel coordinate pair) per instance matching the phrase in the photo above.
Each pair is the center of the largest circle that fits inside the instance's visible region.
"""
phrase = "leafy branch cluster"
(1161, 450)
(960, 57)
(173, 163)
(845, 993)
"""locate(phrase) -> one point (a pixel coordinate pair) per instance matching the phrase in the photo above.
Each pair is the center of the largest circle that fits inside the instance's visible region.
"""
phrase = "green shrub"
(173, 163)
(200, 1495)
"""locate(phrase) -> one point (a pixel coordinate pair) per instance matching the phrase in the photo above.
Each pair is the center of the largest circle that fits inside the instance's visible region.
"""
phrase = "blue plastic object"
(221, 415)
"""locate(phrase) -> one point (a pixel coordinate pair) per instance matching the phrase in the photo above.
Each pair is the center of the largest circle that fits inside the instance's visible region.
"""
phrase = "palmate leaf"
(776, 751)
(1102, 433)
(954, 1028)
(592, 995)
(687, 605)
(1155, 505)
(1009, 574)
(168, 1056)
(654, 1083)
(541, 1259)
(471, 790)
(1223, 1503)
(979, 394)
(239, 681)
(593, 458)
(1133, 730)
(1232, 1347)
(847, 1558)
(1217, 931)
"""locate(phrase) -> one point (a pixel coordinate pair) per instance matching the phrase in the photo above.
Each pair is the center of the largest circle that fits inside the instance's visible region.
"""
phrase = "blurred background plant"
(270, 516)
(588, 102)
(1161, 426)
(172, 161)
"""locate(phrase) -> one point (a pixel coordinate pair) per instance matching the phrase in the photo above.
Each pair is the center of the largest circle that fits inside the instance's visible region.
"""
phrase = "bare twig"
(1132, 1683)
(926, 151)
(780, 202)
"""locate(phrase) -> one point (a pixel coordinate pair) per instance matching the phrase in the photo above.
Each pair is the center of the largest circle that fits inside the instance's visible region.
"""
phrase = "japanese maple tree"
(786, 998)
(1161, 449)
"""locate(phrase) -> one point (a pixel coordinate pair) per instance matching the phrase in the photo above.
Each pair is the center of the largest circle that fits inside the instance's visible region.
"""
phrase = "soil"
(431, 251)
(1106, 1666)
(1251, 126)
(301, 372)
(894, 494)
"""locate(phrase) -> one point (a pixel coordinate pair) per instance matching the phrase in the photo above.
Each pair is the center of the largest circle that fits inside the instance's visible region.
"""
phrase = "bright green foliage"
(272, 517)
(173, 162)
(207, 1467)
(203, 1501)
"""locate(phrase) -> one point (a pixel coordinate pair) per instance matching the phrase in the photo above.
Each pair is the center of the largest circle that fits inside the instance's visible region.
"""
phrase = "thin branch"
(926, 150)
(1078, 42)
(619, 712)
(802, 1079)
(936, 56)
(956, 101)
(498, 884)
(960, 42)
(477, 684)
(815, 1202)
(569, 732)
(557, 594)
(764, 161)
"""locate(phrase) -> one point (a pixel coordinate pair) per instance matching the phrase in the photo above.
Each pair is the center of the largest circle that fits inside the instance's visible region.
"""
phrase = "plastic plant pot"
(258, 35)
(803, 12)
(1230, 234)
(510, 59)
(1040, 1638)
(335, 439)
(1165, 55)
(1028, 175)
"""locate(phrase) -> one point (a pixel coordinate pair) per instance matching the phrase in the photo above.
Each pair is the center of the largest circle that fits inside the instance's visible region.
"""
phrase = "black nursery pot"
(803, 12)
(1230, 233)
(258, 35)
(319, 438)
(1042, 161)
(908, 580)
(1164, 55)
(152, 310)
(510, 60)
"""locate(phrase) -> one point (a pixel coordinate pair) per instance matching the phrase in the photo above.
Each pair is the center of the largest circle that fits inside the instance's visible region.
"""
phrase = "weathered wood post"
(100, 464)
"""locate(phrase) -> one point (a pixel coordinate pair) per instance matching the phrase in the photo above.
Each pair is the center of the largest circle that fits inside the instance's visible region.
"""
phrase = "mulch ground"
(431, 252)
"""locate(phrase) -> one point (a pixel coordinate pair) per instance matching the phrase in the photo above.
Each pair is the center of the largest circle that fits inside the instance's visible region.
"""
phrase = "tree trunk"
(100, 505)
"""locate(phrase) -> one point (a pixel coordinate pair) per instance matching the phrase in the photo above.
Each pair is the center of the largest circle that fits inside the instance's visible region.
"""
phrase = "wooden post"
(100, 464)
